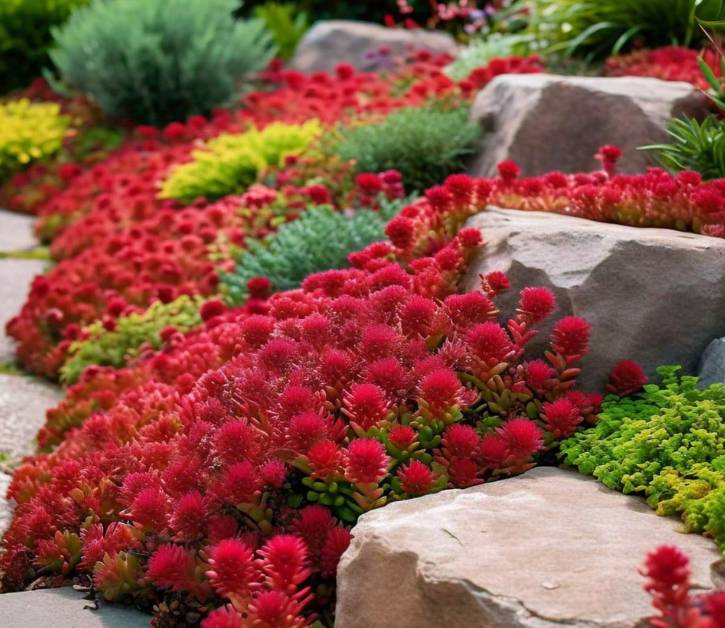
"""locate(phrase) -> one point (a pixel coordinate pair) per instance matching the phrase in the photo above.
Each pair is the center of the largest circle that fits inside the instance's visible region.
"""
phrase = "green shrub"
(29, 132)
(25, 37)
(668, 444)
(598, 28)
(155, 61)
(320, 239)
(423, 144)
(131, 334)
(286, 23)
(231, 162)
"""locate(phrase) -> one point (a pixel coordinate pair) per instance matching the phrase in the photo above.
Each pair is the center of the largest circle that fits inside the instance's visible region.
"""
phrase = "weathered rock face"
(712, 365)
(548, 548)
(546, 122)
(656, 296)
(331, 42)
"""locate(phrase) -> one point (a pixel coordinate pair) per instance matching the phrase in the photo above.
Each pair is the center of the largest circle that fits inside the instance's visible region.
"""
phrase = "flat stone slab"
(656, 296)
(23, 403)
(65, 608)
(16, 231)
(548, 548)
(15, 278)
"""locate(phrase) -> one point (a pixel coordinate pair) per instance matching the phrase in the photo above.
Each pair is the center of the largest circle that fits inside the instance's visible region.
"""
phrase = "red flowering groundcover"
(366, 385)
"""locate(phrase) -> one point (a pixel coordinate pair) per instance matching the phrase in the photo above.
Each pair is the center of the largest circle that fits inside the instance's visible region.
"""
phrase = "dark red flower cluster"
(671, 63)
(232, 490)
(667, 571)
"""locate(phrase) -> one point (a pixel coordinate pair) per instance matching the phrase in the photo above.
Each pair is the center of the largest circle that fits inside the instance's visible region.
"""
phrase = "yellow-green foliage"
(29, 131)
(132, 333)
(230, 163)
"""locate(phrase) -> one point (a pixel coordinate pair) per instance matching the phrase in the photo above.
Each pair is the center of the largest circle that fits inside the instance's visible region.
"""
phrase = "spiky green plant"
(156, 61)
(667, 444)
(598, 28)
(320, 239)
(424, 144)
(286, 23)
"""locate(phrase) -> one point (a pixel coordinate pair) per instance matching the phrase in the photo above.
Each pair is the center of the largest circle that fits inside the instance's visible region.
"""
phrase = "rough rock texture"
(712, 365)
(15, 278)
(546, 122)
(65, 608)
(549, 548)
(16, 231)
(656, 296)
(331, 42)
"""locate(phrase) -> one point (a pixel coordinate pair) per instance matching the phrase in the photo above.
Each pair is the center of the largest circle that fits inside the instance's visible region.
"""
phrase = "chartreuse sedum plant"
(699, 144)
(29, 132)
(25, 37)
(127, 336)
(320, 239)
(598, 28)
(156, 61)
(229, 163)
(424, 144)
(666, 443)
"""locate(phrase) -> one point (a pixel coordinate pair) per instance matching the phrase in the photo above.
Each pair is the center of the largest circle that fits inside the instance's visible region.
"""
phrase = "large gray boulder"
(549, 548)
(546, 122)
(712, 365)
(656, 296)
(331, 42)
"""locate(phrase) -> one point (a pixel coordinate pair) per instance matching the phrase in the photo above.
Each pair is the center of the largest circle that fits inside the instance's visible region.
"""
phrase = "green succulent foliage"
(598, 28)
(132, 334)
(698, 145)
(286, 23)
(320, 239)
(156, 61)
(25, 37)
(481, 51)
(424, 144)
(666, 443)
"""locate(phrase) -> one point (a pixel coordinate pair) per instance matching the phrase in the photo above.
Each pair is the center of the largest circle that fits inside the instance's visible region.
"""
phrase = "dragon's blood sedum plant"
(667, 571)
(229, 495)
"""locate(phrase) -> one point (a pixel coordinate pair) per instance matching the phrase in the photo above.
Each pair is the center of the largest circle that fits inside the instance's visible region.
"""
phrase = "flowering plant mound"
(366, 385)
(667, 571)
(670, 63)
(667, 443)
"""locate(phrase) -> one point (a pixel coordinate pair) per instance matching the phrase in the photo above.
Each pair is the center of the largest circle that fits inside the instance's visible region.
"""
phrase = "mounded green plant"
(156, 61)
(666, 443)
(229, 163)
(131, 334)
(598, 28)
(25, 37)
(320, 239)
(423, 144)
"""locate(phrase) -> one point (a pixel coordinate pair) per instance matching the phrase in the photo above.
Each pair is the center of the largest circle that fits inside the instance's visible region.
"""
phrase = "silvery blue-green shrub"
(156, 61)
